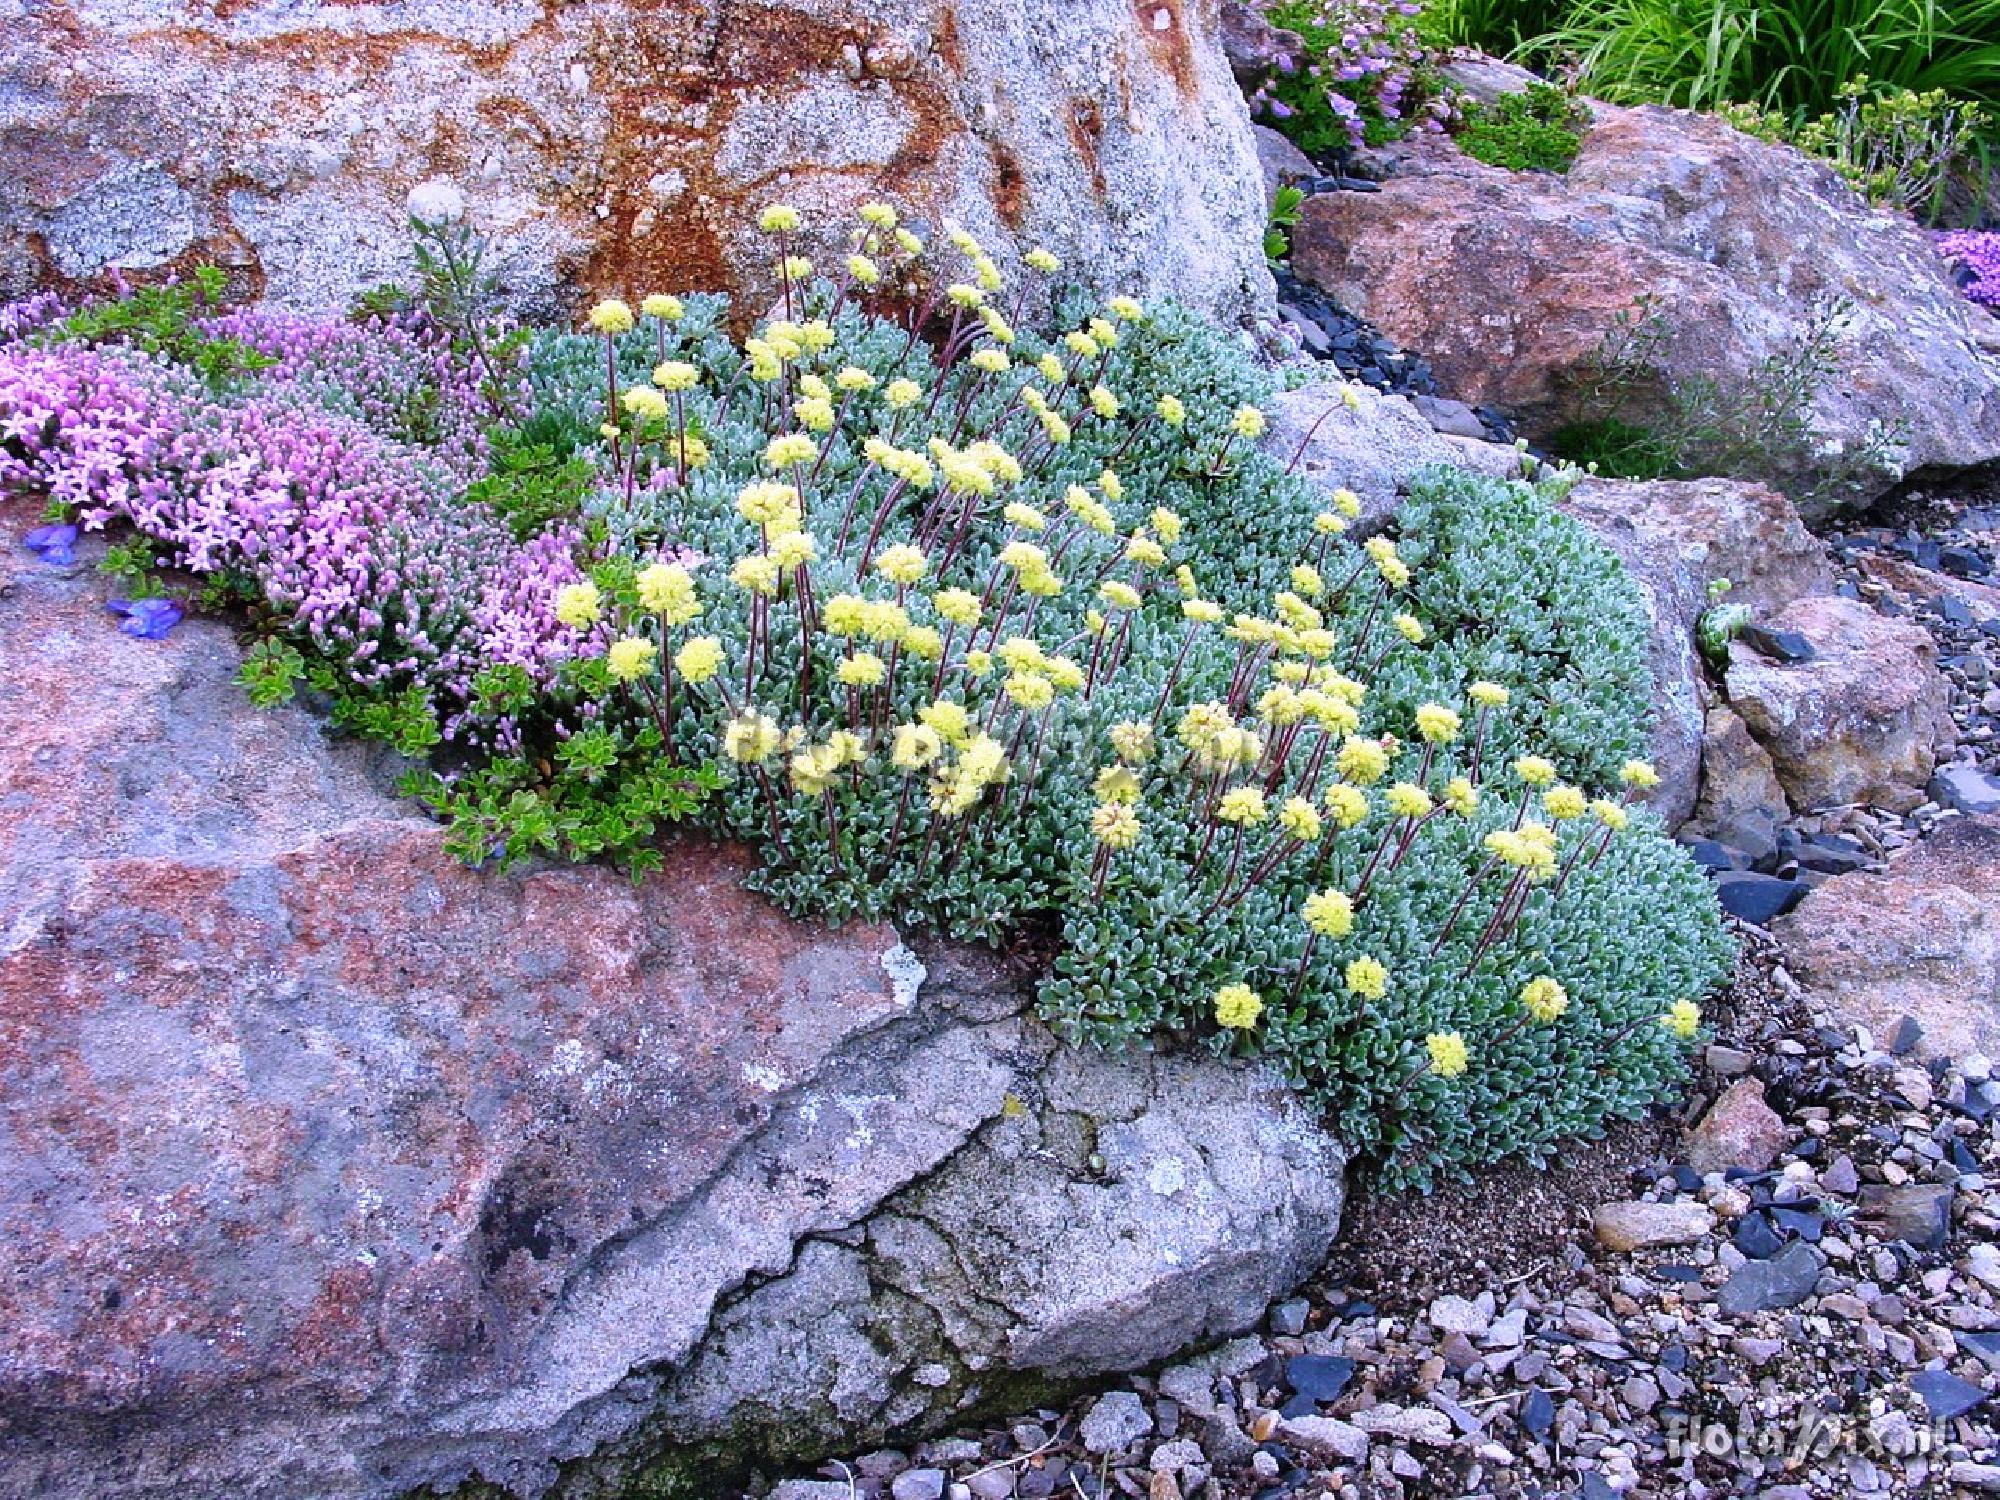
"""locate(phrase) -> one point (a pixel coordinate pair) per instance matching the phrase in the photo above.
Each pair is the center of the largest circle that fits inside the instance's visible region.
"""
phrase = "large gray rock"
(1675, 595)
(330, 1167)
(1510, 282)
(1676, 537)
(1343, 435)
(1729, 529)
(619, 149)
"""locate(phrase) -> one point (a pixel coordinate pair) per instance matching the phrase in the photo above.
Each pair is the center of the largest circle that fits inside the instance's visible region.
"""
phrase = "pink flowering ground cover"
(1978, 252)
(307, 484)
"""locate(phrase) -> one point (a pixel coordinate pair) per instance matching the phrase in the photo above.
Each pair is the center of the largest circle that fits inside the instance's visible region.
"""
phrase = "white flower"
(437, 201)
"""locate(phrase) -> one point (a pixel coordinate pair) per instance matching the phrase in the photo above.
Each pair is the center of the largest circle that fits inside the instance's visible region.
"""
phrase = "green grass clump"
(1792, 55)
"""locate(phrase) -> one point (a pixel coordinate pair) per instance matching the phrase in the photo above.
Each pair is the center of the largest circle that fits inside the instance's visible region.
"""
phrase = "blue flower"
(54, 545)
(147, 619)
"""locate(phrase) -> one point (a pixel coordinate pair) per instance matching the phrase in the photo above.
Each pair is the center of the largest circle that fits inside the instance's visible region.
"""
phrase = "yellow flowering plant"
(972, 614)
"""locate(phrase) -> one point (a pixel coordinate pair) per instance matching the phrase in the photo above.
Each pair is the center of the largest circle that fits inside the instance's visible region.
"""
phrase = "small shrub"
(1539, 129)
(1638, 422)
(962, 623)
(1896, 147)
(1366, 76)
(164, 320)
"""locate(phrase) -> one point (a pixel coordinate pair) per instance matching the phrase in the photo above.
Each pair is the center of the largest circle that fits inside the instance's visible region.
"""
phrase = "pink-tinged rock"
(1676, 537)
(330, 1167)
(1739, 785)
(622, 149)
(1922, 585)
(1510, 282)
(1739, 1130)
(1864, 720)
(1920, 938)
(1729, 529)
(1638, 1225)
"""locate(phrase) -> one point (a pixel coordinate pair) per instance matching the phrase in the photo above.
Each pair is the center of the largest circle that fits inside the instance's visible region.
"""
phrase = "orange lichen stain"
(1086, 131)
(672, 89)
(1164, 27)
(945, 40)
(1010, 186)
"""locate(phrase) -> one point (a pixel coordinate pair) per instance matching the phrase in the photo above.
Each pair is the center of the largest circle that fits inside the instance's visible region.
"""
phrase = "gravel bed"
(1362, 352)
(1935, 558)
(1825, 1323)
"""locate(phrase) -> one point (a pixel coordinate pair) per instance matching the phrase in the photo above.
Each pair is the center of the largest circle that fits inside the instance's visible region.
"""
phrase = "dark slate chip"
(1538, 1413)
(1320, 1376)
(1756, 1238)
(1755, 898)
(1779, 645)
(1946, 1395)
(1807, 1224)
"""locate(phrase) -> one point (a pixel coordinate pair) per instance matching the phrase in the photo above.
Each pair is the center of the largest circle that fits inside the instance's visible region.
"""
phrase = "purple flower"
(54, 545)
(1976, 253)
(146, 619)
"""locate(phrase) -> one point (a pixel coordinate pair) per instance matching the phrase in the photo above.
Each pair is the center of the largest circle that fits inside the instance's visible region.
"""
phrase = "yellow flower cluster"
(1531, 848)
(631, 658)
(1115, 825)
(1447, 1051)
(579, 605)
(1237, 1007)
(1544, 999)
(1217, 742)
(1366, 977)
(1329, 914)
(957, 788)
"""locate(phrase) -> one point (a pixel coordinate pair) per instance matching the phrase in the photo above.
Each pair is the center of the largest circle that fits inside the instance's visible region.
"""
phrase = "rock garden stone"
(1326, 1437)
(1863, 721)
(1946, 1395)
(1785, 1280)
(1920, 938)
(1283, 164)
(1643, 1226)
(378, 1196)
(1965, 788)
(1756, 898)
(1732, 529)
(1373, 446)
(1738, 780)
(1917, 1213)
(1509, 281)
(1115, 1423)
(1738, 1130)
(1674, 596)
(620, 154)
